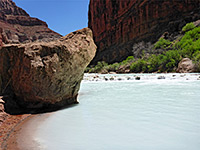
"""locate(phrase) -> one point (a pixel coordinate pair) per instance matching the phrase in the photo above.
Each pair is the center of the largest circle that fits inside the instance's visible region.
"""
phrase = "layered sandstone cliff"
(118, 25)
(16, 26)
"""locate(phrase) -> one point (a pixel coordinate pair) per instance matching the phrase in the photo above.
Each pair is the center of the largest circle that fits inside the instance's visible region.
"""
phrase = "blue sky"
(62, 16)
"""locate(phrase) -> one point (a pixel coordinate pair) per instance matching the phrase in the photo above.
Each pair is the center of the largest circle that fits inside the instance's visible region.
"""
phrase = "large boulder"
(46, 74)
(186, 66)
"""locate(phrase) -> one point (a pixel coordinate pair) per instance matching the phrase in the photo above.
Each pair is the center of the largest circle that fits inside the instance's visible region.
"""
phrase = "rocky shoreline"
(132, 77)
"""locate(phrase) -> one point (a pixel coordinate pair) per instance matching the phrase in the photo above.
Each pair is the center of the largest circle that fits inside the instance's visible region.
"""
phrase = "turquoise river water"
(117, 112)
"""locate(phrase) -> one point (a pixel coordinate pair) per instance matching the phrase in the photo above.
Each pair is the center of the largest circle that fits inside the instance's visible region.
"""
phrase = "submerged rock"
(186, 66)
(46, 74)
(128, 78)
(112, 78)
(137, 78)
(161, 77)
(104, 78)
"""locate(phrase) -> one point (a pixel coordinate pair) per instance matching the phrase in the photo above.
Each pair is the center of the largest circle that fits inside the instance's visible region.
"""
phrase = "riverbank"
(8, 123)
(15, 133)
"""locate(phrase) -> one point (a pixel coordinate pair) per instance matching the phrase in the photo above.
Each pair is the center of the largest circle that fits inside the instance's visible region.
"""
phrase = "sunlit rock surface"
(46, 74)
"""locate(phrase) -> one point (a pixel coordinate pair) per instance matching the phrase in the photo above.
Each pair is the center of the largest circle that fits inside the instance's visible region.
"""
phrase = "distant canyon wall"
(118, 24)
(16, 26)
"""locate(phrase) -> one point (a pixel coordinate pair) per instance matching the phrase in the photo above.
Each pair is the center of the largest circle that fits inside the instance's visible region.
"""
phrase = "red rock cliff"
(118, 24)
(17, 26)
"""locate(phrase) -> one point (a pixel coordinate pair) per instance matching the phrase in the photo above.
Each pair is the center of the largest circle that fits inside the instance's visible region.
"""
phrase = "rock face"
(117, 25)
(46, 74)
(17, 26)
(1, 40)
(186, 66)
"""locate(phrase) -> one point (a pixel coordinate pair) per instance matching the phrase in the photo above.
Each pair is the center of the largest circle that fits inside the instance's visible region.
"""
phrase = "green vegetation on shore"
(167, 61)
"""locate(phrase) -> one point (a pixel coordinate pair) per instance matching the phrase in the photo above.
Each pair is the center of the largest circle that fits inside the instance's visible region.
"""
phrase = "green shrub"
(153, 63)
(167, 61)
(196, 60)
(162, 43)
(98, 67)
(171, 60)
(189, 43)
(87, 69)
(195, 33)
(139, 66)
(196, 56)
(128, 60)
(188, 27)
(113, 67)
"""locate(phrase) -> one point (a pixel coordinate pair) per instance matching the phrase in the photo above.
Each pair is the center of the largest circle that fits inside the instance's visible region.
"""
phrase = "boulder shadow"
(13, 108)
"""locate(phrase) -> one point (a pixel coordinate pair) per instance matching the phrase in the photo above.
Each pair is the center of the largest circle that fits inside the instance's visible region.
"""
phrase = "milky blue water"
(125, 114)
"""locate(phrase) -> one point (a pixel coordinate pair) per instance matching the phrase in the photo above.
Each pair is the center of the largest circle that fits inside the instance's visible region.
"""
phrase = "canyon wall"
(16, 26)
(118, 24)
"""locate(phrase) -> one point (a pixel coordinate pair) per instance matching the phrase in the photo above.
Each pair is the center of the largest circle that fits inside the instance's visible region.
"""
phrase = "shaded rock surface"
(186, 66)
(16, 26)
(46, 74)
(1, 40)
(118, 25)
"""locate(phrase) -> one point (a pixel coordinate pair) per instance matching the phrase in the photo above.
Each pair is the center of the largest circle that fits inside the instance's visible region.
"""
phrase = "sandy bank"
(7, 126)
(21, 136)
